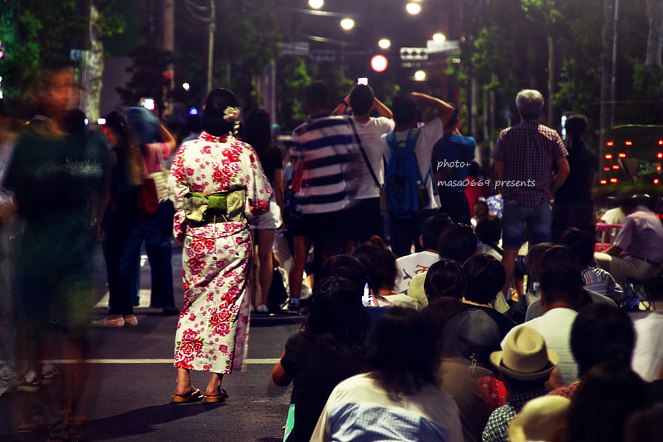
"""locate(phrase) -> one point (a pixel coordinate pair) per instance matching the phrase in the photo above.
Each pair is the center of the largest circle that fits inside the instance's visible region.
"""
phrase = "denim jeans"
(516, 217)
(159, 254)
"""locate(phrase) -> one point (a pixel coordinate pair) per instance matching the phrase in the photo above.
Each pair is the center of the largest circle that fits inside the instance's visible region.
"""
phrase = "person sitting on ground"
(344, 266)
(489, 234)
(561, 299)
(466, 342)
(561, 254)
(328, 350)
(636, 252)
(380, 265)
(595, 279)
(416, 263)
(600, 333)
(457, 242)
(485, 277)
(542, 419)
(481, 211)
(525, 365)
(445, 278)
(402, 361)
(600, 408)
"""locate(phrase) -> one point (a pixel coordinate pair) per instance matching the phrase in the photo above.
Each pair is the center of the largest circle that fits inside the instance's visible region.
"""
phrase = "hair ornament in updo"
(232, 114)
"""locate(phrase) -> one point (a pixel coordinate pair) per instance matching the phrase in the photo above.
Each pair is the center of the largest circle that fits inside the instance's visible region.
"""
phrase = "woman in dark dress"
(120, 216)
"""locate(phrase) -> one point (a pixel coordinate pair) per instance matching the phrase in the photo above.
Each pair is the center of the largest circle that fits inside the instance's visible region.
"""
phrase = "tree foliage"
(38, 34)
(506, 47)
(147, 76)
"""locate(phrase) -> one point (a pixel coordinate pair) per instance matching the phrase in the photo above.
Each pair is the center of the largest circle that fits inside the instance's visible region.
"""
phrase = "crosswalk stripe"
(258, 361)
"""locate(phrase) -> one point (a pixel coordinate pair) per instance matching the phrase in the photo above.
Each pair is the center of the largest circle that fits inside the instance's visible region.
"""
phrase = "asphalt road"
(131, 379)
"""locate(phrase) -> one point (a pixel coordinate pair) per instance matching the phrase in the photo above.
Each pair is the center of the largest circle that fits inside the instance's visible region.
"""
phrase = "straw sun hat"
(541, 419)
(525, 356)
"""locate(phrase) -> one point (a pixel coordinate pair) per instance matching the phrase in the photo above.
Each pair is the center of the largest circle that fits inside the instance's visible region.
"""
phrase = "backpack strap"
(411, 143)
(363, 154)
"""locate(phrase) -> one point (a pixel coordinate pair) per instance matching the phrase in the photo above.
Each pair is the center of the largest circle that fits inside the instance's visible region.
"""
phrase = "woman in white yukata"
(217, 184)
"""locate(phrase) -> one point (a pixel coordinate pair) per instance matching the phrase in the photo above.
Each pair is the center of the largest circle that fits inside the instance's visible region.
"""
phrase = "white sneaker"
(262, 309)
(9, 376)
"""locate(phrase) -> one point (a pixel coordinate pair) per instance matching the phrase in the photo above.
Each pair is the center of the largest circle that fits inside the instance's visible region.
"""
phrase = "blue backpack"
(405, 190)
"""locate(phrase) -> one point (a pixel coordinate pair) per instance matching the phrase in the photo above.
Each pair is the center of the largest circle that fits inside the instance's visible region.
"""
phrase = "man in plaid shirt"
(525, 158)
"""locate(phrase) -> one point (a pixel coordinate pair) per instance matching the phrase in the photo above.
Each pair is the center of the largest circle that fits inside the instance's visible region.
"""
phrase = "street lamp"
(316, 4)
(413, 8)
(384, 43)
(347, 23)
(379, 63)
(439, 38)
(420, 75)
(186, 86)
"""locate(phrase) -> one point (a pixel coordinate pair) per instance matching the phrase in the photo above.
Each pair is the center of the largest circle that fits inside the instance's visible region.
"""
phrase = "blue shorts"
(516, 217)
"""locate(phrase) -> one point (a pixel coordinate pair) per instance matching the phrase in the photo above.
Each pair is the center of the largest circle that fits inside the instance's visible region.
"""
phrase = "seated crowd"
(427, 347)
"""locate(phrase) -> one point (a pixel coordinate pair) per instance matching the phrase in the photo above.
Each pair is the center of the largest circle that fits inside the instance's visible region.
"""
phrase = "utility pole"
(211, 20)
(210, 47)
(607, 67)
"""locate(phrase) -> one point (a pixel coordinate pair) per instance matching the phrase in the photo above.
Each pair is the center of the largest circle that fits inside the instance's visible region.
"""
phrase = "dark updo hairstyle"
(216, 103)
(457, 242)
(576, 126)
(444, 278)
(258, 130)
(402, 352)
(337, 321)
(379, 263)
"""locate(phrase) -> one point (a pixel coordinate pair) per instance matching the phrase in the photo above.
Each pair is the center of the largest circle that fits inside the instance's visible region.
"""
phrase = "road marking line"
(263, 361)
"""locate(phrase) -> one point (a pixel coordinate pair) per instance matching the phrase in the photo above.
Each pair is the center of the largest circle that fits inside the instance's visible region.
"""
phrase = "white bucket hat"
(541, 419)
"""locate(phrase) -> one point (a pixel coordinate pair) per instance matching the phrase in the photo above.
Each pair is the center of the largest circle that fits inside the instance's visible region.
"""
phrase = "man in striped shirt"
(325, 153)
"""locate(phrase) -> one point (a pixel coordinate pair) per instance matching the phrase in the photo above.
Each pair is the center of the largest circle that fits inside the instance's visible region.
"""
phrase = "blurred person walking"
(57, 165)
(217, 185)
(258, 134)
(157, 244)
(120, 215)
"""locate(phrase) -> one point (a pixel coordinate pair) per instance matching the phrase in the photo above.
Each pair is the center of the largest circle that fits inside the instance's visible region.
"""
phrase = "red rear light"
(604, 182)
(658, 168)
(660, 142)
(656, 181)
(610, 143)
(628, 143)
(622, 155)
(613, 180)
(615, 167)
(607, 169)
(608, 156)
(660, 155)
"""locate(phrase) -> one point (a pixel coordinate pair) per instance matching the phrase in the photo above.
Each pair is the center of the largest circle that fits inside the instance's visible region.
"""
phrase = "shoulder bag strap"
(363, 154)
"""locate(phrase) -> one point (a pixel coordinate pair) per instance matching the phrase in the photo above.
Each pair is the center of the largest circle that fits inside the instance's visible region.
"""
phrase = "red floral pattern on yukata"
(212, 332)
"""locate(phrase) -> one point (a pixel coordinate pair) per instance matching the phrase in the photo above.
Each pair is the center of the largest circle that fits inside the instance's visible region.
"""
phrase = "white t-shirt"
(359, 410)
(555, 327)
(429, 133)
(411, 265)
(369, 134)
(648, 352)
